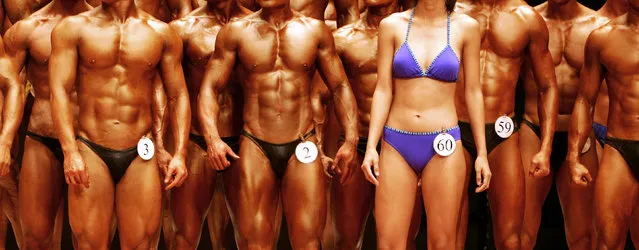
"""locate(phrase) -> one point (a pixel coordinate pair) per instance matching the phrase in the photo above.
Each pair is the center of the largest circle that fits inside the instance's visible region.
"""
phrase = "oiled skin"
(277, 51)
(566, 43)
(28, 44)
(190, 203)
(510, 31)
(356, 44)
(112, 55)
(608, 55)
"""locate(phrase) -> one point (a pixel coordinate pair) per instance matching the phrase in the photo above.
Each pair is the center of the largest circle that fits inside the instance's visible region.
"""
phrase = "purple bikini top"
(445, 67)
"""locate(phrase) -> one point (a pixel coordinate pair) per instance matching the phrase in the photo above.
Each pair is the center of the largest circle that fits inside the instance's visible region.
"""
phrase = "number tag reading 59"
(444, 144)
(504, 126)
(306, 152)
(146, 149)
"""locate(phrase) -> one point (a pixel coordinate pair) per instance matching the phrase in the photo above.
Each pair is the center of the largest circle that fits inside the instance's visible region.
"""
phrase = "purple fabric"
(416, 147)
(445, 67)
(600, 132)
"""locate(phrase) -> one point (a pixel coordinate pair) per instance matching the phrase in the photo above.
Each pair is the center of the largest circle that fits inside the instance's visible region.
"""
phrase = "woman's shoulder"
(396, 20)
(463, 22)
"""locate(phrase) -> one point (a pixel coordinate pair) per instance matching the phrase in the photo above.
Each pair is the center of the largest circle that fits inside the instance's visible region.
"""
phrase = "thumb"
(230, 152)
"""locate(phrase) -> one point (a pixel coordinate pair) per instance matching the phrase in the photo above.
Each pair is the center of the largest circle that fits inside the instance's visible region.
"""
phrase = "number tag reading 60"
(504, 126)
(306, 152)
(444, 144)
(146, 149)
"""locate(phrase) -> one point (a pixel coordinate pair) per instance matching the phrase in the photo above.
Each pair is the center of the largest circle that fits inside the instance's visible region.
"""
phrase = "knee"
(527, 241)
(258, 234)
(583, 242)
(187, 239)
(37, 236)
(441, 241)
(89, 242)
(512, 241)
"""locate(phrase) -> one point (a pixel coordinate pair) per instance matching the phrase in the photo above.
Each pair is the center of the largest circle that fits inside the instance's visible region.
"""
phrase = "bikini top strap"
(448, 29)
(410, 21)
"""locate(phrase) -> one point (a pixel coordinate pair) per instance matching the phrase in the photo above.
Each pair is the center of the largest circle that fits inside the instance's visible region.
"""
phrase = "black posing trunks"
(52, 144)
(361, 145)
(492, 139)
(629, 150)
(277, 154)
(232, 141)
(559, 145)
(117, 161)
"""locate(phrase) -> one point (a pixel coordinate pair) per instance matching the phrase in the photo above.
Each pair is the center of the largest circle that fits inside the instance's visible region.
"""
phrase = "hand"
(5, 160)
(343, 160)
(176, 171)
(163, 160)
(370, 166)
(75, 170)
(483, 174)
(579, 173)
(328, 166)
(540, 165)
(217, 155)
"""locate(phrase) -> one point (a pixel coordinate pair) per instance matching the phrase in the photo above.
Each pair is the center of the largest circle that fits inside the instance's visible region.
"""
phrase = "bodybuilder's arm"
(473, 91)
(320, 99)
(544, 72)
(160, 112)
(62, 73)
(176, 91)
(384, 89)
(14, 96)
(347, 11)
(16, 43)
(332, 71)
(591, 77)
(218, 71)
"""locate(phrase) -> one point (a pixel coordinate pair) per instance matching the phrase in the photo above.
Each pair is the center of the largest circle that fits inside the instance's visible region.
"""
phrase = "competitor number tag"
(504, 126)
(306, 152)
(586, 146)
(146, 149)
(444, 144)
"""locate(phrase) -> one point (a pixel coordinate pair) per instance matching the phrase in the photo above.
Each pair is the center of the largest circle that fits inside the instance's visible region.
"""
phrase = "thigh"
(351, 203)
(576, 202)
(190, 202)
(536, 189)
(91, 209)
(615, 195)
(253, 196)
(394, 199)
(442, 188)
(42, 180)
(506, 192)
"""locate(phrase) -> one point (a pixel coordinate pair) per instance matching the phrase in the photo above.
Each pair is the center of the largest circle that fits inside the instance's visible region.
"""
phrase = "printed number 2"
(307, 155)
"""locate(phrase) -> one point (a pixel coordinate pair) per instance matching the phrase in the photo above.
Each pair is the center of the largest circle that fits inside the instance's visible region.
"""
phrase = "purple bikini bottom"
(416, 147)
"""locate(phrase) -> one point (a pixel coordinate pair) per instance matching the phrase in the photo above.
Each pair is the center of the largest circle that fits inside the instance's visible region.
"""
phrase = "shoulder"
(73, 23)
(394, 23)
(345, 31)
(464, 22)
(542, 8)
(181, 25)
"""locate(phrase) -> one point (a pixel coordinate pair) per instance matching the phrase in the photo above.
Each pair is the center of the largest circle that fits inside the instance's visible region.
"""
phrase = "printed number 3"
(146, 148)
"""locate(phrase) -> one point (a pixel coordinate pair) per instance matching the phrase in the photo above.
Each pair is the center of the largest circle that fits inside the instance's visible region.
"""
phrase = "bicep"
(592, 70)
(171, 64)
(15, 46)
(222, 60)
(470, 57)
(329, 62)
(64, 57)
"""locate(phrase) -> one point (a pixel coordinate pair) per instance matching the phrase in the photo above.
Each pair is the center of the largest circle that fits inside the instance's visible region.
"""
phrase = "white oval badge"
(504, 126)
(146, 148)
(444, 144)
(586, 146)
(306, 152)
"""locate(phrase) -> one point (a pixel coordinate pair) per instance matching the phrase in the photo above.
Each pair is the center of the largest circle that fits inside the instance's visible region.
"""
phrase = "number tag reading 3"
(444, 144)
(586, 146)
(306, 152)
(146, 148)
(504, 126)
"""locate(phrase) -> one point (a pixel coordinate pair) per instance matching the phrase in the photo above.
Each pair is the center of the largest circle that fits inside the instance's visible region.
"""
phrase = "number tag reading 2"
(306, 152)
(146, 149)
(504, 126)
(444, 144)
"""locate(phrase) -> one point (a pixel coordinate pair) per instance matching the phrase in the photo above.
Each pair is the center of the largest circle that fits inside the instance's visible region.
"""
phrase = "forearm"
(160, 115)
(13, 110)
(63, 121)
(180, 121)
(319, 120)
(475, 101)
(208, 111)
(580, 127)
(379, 114)
(547, 108)
(346, 110)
